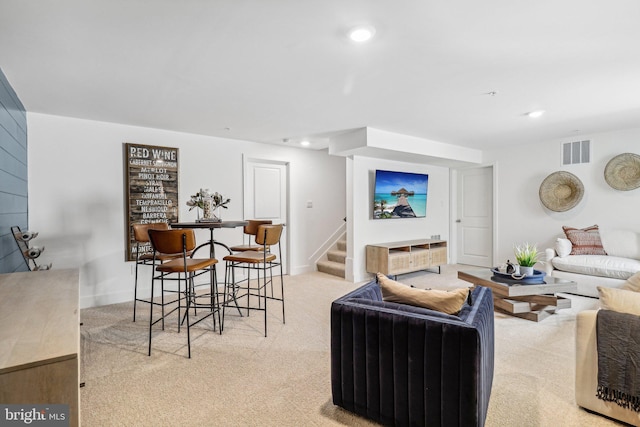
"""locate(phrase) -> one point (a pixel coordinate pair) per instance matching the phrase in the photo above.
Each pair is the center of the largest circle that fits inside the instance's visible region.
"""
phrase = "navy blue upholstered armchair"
(410, 366)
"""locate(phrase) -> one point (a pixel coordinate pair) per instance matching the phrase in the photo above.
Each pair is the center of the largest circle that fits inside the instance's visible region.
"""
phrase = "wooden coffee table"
(529, 301)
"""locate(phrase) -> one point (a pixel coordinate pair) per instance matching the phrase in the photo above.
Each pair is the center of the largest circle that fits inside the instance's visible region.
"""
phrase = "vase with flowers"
(218, 201)
(210, 203)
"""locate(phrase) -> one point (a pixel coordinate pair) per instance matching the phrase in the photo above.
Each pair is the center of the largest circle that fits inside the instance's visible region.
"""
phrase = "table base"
(531, 307)
(528, 301)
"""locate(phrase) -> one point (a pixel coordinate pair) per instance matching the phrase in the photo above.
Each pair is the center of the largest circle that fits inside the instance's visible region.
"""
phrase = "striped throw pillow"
(585, 241)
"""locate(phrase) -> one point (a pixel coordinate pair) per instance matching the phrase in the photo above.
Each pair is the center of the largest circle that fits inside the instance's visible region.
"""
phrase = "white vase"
(526, 271)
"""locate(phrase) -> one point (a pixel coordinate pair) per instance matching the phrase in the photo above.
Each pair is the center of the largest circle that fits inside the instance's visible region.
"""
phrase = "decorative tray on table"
(536, 278)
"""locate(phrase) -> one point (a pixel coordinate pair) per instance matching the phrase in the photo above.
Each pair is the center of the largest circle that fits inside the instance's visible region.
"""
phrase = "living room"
(76, 183)
(59, 145)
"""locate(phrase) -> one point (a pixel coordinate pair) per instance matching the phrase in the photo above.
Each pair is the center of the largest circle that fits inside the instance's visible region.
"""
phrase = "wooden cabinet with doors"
(408, 256)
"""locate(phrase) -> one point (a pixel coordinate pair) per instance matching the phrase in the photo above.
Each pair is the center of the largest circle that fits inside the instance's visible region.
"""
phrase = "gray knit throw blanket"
(618, 343)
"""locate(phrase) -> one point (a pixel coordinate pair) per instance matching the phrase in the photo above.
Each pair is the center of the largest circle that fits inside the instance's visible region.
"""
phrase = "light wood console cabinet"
(405, 257)
(40, 336)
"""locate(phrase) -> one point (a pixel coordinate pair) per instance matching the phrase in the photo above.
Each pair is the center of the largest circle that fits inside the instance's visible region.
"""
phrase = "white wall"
(520, 171)
(363, 230)
(76, 195)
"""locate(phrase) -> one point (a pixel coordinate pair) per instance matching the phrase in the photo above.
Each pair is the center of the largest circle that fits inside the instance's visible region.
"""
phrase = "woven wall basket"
(561, 191)
(623, 172)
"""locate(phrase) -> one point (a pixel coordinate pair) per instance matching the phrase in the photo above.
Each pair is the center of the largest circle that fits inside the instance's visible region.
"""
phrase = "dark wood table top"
(210, 224)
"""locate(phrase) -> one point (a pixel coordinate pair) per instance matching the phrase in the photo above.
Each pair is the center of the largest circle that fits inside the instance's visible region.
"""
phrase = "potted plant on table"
(527, 256)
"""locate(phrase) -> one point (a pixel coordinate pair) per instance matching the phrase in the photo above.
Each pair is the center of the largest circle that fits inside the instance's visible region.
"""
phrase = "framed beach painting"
(400, 195)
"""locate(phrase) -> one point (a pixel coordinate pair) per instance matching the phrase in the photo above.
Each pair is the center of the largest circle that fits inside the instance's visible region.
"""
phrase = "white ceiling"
(268, 70)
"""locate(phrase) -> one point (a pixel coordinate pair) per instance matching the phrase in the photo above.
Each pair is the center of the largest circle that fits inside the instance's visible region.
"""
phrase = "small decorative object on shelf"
(510, 268)
(209, 203)
(527, 256)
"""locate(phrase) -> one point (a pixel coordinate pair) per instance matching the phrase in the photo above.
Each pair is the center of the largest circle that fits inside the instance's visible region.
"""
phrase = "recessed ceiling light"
(534, 114)
(362, 33)
(305, 143)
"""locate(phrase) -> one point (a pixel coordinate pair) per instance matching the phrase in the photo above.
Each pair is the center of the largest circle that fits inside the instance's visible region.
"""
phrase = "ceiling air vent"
(576, 152)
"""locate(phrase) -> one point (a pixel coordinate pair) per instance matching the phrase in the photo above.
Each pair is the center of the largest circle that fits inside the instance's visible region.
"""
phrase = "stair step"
(342, 245)
(331, 267)
(337, 256)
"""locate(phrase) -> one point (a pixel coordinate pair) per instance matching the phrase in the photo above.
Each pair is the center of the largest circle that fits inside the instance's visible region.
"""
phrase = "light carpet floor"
(241, 378)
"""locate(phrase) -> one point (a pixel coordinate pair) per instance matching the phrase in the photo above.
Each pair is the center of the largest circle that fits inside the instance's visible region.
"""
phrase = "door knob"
(458, 220)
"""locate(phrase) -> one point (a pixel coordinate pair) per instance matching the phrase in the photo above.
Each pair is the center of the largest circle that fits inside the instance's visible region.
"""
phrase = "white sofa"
(589, 271)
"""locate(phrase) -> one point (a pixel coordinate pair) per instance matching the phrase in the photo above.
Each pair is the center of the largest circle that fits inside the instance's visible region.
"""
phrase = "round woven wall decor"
(623, 172)
(561, 191)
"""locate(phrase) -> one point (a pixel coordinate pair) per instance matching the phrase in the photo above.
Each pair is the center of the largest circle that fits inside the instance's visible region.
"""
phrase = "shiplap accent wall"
(13, 176)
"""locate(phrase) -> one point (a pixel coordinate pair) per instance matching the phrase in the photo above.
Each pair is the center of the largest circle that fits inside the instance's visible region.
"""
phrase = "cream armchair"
(587, 372)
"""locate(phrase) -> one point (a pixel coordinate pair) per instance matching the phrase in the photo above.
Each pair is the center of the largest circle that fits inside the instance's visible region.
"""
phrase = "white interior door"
(474, 221)
(266, 189)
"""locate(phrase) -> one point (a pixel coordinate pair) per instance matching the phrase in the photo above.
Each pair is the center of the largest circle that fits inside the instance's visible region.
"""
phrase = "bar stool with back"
(141, 237)
(250, 230)
(264, 260)
(183, 241)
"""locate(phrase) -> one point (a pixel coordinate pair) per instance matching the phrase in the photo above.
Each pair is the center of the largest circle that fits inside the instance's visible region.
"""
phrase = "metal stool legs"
(184, 270)
(260, 261)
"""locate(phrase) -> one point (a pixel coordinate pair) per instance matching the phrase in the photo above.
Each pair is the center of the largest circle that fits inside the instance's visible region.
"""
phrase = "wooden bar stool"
(184, 270)
(250, 230)
(263, 261)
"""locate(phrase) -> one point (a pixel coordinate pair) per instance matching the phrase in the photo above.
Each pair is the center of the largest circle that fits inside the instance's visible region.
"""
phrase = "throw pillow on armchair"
(449, 302)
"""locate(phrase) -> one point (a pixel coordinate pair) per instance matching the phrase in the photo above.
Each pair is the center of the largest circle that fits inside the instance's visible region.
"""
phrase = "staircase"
(334, 263)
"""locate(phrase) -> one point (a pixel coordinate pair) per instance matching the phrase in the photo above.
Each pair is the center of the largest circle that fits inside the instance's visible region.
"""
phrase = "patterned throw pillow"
(585, 241)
